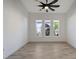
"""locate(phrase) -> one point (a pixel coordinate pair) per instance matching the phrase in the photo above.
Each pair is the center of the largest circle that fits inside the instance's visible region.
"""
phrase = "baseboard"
(48, 42)
(71, 45)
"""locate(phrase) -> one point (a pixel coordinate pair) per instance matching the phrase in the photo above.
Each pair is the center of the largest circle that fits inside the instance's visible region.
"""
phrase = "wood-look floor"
(45, 51)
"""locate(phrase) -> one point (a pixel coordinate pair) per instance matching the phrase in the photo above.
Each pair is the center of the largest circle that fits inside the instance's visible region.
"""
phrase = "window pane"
(47, 27)
(39, 28)
(56, 25)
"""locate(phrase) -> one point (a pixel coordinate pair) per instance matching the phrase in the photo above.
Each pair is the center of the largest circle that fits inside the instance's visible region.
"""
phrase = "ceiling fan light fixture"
(46, 7)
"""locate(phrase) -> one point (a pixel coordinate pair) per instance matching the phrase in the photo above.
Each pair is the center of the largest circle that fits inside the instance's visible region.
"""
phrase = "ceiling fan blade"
(53, 2)
(51, 9)
(36, 0)
(42, 8)
(46, 1)
(54, 5)
(40, 2)
(40, 5)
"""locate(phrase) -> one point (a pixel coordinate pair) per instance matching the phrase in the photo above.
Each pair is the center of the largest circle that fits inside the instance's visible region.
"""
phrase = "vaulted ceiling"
(31, 6)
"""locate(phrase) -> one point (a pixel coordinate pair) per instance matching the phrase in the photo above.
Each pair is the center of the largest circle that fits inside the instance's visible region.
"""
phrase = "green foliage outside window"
(56, 25)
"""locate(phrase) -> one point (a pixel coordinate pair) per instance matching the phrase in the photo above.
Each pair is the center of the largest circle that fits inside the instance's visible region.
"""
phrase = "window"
(39, 28)
(43, 28)
(56, 25)
(47, 27)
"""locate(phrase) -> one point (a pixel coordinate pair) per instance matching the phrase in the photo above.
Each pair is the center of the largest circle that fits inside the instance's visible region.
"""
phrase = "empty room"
(39, 29)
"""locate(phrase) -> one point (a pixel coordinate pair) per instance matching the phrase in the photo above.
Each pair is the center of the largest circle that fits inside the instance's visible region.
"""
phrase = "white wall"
(71, 25)
(15, 26)
(71, 29)
(44, 16)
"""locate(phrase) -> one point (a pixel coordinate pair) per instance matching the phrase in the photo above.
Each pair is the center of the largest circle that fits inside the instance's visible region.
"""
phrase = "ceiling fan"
(47, 5)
